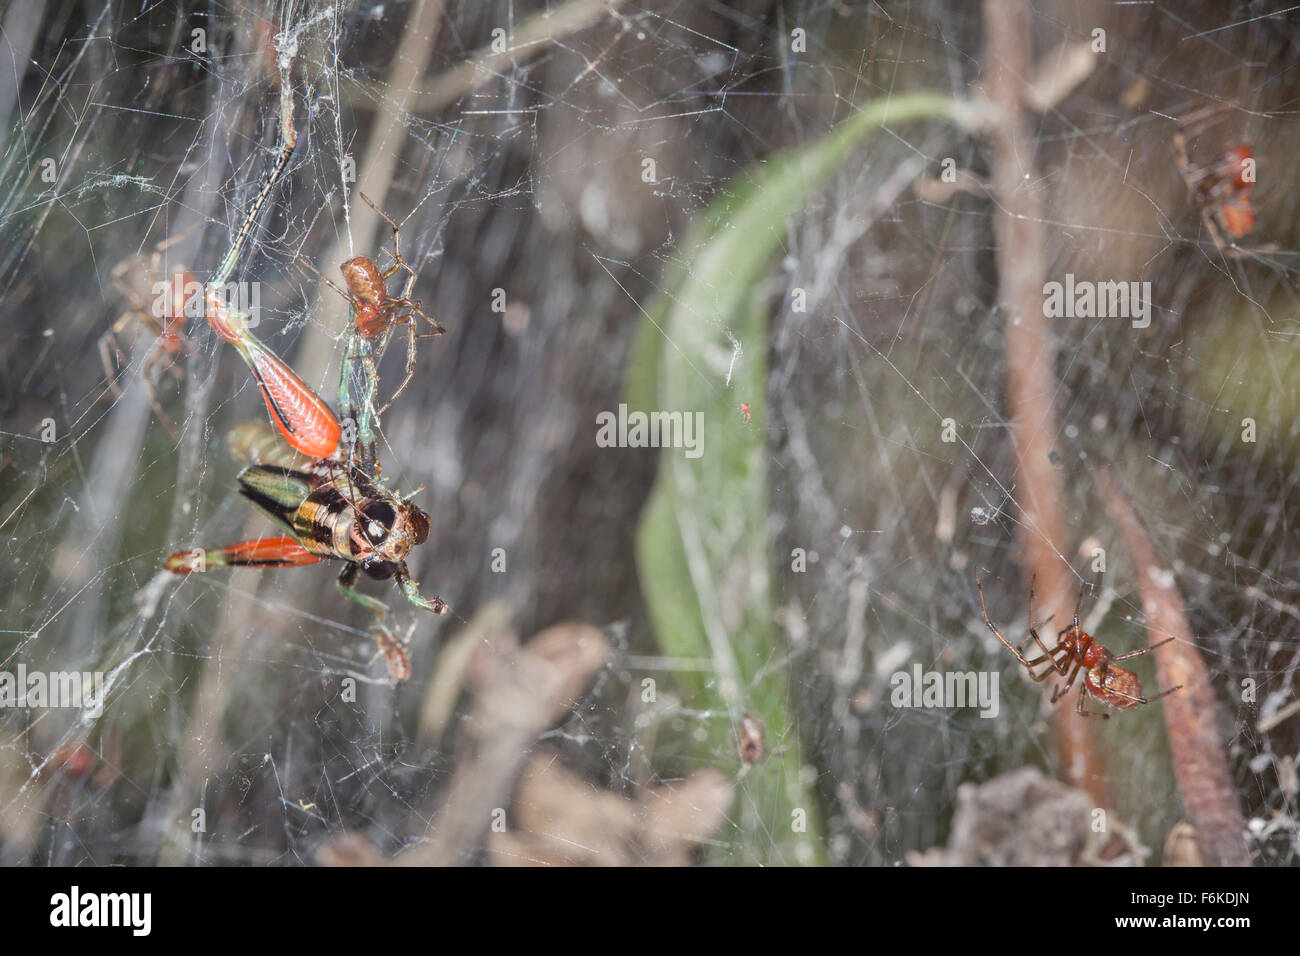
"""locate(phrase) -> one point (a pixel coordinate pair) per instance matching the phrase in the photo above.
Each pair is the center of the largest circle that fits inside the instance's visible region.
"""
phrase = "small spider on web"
(1080, 652)
(395, 650)
(751, 744)
(378, 313)
(1222, 190)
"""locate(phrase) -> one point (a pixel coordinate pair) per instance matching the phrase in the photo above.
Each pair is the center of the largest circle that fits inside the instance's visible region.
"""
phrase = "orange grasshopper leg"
(306, 422)
(280, 552)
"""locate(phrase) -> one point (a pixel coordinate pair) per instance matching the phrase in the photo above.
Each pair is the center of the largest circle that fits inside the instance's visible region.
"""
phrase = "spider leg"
(1142, 650)
(152, 367)
(397, 263)
(989, 624)
(397, 232)
(319, 275)
(1064, 689)
(1100, 714)
(1198, 121)
(413, 307)
(163, 418)
(1033, 635)
(998, 634)
(411, 337)
(1191, 176)
(1230, 249)
(1030, 637)
(1138, 701)
(1058, 667)
(406, 302)
(1078, 604)
(108, 350)
(1221, 244)
(411, 277)
(147, 379)
(410, 367)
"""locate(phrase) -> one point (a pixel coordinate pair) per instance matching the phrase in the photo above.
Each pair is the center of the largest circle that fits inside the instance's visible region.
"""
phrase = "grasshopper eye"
(378, 518)
(419, 523)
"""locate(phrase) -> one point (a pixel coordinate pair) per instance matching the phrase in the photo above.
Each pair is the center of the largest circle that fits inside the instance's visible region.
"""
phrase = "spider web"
(517, 178)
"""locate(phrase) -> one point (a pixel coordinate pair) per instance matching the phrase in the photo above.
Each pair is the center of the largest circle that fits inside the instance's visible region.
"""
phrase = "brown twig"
(532, 37)
(561, 819)
(518, 693)
(1199, 759)
(1031, 354)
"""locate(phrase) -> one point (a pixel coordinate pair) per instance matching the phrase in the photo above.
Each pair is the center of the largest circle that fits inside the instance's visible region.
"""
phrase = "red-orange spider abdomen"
(1239, 156)
(1237, 215)
(364, 280)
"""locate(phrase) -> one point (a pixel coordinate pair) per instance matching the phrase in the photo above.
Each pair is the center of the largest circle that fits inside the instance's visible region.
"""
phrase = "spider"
(393, 649)
(1222, 190)
(378, 313)
(751, 745)
(137, 280)
(1080, 651)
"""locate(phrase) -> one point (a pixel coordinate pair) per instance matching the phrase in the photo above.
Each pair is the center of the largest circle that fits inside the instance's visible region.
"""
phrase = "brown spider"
(1222, 190)
(378, 313)
(751, 745)
(1103, 678)
(393, 648)
(136, 280)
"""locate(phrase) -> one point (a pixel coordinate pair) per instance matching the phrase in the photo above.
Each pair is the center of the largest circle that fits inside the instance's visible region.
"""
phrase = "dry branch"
(518, 693)
(1030, 353)
(1199, 760)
